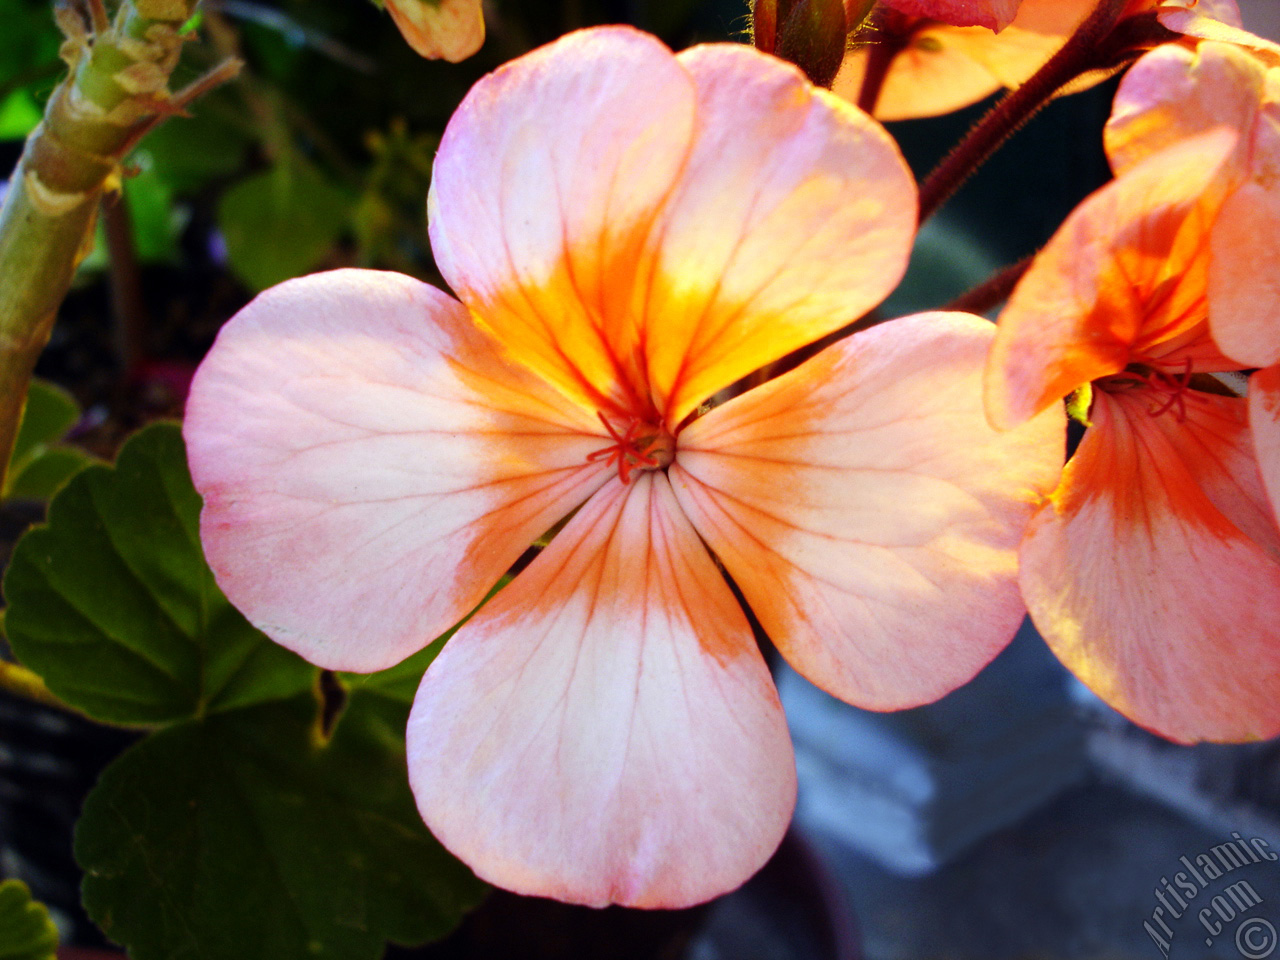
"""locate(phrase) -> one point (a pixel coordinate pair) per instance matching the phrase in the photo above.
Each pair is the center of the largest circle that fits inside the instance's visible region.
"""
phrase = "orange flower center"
(1170, 388)
(637, 445)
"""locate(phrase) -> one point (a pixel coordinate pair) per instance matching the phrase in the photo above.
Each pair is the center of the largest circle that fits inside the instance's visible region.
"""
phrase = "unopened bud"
(440, 29)
(812, 36)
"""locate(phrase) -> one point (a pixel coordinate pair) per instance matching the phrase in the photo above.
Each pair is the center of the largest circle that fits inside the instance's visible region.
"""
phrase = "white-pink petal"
(605, 730)
(869, 513)
(793, 216)
(546, 183)
(370, 466)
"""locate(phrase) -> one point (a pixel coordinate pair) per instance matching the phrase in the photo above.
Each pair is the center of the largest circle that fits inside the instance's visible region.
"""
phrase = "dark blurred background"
(1017, 818)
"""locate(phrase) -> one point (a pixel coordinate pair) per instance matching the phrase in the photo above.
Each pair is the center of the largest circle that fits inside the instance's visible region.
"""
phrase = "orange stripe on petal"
(869, 513)
(547, 180)
(1140, 577)
(794, 215)
(370, 466)
(1124, 279)
(605, 730)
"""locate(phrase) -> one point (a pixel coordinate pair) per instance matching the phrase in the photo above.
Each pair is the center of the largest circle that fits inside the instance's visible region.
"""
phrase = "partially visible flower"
(992, 14)
(1173, 94)
(941, 67)
(440, 29)
(1154, 569)
(630, 232)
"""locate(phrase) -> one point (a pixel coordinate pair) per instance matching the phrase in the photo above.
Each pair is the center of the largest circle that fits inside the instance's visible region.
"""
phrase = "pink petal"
(644, 229)
(1244, 282)
(1217, 21)
(604, 730)
(993, 14)
(545, 186)
(1124, 279)
(1172, 94)
(1264, 423)
(370, 466)
(869, 513)
(1143, 577)
(794, 215)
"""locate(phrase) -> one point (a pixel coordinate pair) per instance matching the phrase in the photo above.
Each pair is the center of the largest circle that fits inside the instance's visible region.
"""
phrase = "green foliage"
(241, 798)
(113, 605)
(281, 223)
(187, 153)
(18, 115)
(268, 844)
(41, 464)
(26, 932)
(29, 64)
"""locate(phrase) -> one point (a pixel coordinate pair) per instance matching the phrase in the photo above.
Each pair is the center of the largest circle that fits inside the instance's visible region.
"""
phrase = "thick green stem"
(117, 90)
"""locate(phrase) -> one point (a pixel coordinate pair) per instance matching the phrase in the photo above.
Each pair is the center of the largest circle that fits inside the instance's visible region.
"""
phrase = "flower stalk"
(1078, 56)
(117, 90)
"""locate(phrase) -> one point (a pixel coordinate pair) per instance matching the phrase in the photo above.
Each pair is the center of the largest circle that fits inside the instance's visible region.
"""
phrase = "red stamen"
(629, 450)
(1175, 385)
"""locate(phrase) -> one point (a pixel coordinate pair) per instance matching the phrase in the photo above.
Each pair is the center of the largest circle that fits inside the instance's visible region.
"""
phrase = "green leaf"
(49, 414)
(281, 223)
(26, 932)
(240, 836)
(111, 601)
(18, 115)
(156, 221)
(44, 476)
(188, 152)
(401, 682)
(40, 465)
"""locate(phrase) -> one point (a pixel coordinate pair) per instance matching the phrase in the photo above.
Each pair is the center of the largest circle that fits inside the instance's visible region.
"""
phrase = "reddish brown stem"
(993, 291)
(880, 56)
(128, 308)
(1077, 56)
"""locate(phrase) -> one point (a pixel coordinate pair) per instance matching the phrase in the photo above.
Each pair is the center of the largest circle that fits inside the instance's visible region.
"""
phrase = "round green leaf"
(40, 465)
(26, 932)
(112, 604)
(243, 835)
(281, 223)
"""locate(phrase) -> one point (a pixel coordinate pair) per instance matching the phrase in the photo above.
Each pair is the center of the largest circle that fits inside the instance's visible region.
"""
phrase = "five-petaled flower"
(630, 233)
(1154, 570)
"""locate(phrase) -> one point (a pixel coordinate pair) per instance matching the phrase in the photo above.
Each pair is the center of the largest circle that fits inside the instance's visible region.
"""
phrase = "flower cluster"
(1154, 570)
(634, 235)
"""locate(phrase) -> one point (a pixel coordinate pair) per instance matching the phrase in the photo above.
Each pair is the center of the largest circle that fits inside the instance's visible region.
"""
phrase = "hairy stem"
(1077, 56)
(993, 291)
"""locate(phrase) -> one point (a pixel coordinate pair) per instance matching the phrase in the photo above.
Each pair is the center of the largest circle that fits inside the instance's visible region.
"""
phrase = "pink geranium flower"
(1154, 569)
(1172, 95)
(630, 232)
